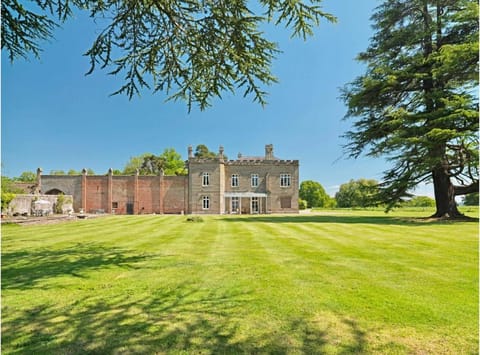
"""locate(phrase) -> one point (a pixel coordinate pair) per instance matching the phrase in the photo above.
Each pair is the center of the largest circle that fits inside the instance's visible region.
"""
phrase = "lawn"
(334, 282)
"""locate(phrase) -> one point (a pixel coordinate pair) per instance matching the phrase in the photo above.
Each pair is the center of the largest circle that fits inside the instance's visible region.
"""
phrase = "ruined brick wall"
(24, 203)
(26, 187)
(69, 185)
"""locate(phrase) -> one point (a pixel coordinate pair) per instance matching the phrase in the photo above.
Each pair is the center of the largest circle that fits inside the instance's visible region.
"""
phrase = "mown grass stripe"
(242, 284)
(364, 264)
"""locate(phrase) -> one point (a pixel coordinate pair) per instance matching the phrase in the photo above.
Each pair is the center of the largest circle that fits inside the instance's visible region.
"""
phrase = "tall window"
(255, 205)
(254, 180)
(235, 204)
(285, 180)
(205, 202)
(235, 180)
(205, 179)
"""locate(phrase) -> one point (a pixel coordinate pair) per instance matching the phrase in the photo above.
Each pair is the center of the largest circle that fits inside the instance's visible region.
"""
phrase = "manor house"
(247, 185)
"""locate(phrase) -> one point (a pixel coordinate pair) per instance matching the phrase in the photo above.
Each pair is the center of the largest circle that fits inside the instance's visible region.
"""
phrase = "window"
(235, 180)
(205, 179)
(285, 180)
(205, 202)
(235, 204)
(285, 202)
(114, 204)
(254, 180)
(255, 205)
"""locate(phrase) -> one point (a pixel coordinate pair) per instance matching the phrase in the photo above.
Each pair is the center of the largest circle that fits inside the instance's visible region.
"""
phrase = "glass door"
(255, 208)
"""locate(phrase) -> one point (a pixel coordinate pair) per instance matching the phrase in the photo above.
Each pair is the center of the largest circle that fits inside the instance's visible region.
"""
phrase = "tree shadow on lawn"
(25, 269)
(180, 319)
(168, 319)
(380, 220)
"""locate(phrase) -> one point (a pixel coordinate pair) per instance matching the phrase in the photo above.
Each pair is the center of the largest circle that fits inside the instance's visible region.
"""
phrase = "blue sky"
(55, 117)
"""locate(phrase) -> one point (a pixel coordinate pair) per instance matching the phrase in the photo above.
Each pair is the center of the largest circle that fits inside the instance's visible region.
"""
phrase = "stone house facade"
(252, 185)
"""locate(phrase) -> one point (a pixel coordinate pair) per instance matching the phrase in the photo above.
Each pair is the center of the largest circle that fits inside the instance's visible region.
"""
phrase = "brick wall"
(136, 194)
(69, 185)
(97, 194)
(149, 194)
(122, 193)
(174, 190)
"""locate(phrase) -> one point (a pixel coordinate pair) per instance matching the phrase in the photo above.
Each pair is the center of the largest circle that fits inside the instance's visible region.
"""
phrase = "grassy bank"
(349, 282)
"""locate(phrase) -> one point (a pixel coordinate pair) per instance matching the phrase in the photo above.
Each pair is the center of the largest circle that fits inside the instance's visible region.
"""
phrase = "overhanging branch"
(467, 189)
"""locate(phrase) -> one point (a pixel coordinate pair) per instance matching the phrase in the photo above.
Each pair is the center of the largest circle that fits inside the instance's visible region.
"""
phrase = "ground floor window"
(235, 204)
(205, 202)
(285, 202)
(255, 205)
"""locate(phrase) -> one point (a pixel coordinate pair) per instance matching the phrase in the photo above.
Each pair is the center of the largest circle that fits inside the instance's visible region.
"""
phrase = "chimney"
(190, 152)
(269, 152)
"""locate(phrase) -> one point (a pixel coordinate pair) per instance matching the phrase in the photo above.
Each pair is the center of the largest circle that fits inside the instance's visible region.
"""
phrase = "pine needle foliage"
(417, 103)
(193, 50)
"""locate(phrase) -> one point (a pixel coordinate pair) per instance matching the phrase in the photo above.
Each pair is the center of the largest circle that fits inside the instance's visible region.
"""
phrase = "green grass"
(337, 282)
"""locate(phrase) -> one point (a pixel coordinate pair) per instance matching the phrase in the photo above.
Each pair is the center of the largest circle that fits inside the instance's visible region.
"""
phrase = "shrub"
(302, 204)
(195, 219)
(7, 197)
(314, 193)
(59, 205)
(420, 201)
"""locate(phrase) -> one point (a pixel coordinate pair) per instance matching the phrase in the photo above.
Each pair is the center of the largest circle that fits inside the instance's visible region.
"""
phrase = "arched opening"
(54, 192)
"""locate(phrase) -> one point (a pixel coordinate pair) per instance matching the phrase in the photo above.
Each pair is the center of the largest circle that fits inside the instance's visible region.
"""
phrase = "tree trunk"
(444, 196)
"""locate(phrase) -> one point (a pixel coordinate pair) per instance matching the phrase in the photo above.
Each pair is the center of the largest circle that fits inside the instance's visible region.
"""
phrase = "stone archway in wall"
(54, 192)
